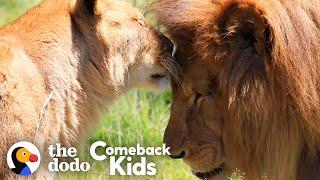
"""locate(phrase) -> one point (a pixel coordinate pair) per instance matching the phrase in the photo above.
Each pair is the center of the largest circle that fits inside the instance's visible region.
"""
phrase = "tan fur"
(248, 96)
(63, 62)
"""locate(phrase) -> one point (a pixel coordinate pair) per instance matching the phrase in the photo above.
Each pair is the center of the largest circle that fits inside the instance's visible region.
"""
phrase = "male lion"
(248, 96)
(63, 61)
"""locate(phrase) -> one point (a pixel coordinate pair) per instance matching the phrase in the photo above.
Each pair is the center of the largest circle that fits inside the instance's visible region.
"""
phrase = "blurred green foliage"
(10, 9)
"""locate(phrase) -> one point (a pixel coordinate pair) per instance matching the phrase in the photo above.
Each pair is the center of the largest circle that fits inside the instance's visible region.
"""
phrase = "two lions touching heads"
(246, 96)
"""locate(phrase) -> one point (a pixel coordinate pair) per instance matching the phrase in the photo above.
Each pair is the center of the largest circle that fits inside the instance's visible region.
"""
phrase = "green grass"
(137, 117)
(10, 9)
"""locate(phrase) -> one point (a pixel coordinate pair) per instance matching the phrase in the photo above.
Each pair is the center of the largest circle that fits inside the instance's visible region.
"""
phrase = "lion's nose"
(175, 138)
(177, 149)
(178, 156)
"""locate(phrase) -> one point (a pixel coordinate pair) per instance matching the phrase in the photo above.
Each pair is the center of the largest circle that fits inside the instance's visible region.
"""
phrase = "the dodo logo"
(23, 158)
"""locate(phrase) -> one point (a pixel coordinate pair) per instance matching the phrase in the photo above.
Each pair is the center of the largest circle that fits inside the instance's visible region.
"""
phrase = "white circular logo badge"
(23, 158)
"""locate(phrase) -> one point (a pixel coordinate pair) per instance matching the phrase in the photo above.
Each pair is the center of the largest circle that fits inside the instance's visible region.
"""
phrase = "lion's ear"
(86, 7)
(243, 25)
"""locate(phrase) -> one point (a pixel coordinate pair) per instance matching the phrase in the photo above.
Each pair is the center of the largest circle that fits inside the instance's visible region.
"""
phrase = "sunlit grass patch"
(237, 175)
(137, 117)
(10, 9)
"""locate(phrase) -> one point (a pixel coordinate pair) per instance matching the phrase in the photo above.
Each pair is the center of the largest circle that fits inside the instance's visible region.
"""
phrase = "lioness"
(249, 93)
(63, 62)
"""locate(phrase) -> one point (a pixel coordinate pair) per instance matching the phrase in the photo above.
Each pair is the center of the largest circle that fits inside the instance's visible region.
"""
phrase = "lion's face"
(224, 62)
(195, 128)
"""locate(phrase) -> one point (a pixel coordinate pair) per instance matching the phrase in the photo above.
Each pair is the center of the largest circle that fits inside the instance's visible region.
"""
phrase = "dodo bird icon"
(20, 156)
(23, 158)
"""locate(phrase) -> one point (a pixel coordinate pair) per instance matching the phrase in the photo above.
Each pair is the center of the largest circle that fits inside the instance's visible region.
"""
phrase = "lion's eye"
(198, 97)
(209, 93)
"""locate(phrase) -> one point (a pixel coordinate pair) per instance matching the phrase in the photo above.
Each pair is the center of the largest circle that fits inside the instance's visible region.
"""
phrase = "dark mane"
(268, 54)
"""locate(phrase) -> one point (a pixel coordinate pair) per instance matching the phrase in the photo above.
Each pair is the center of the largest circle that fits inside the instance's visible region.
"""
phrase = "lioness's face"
(139, 56)
(146, 52)
(151, 70)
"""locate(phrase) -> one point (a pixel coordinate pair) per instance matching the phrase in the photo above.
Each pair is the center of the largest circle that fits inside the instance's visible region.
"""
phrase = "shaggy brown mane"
(63, 63)
(266, 55)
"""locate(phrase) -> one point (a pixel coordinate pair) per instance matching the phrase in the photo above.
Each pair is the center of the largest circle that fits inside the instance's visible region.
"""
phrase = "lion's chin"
(208, 175)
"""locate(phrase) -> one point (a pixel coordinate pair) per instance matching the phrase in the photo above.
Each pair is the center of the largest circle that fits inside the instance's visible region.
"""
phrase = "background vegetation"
(137, 117)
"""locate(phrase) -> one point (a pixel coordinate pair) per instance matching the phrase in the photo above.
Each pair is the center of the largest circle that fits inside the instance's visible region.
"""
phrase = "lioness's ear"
(87, 7)
(243, 25)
